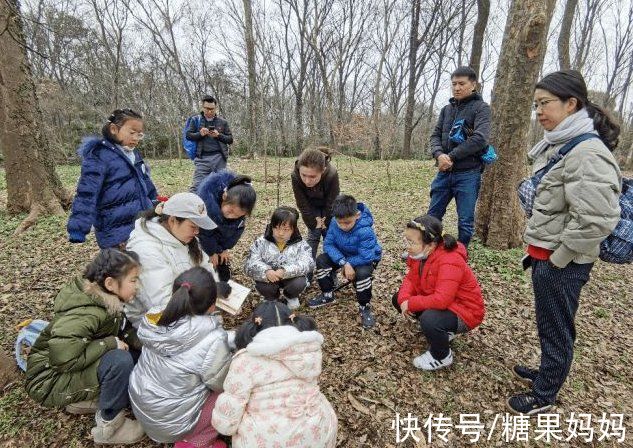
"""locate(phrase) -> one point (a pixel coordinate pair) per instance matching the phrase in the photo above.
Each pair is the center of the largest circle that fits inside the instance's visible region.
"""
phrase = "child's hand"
(348, 272)
(215, 260)
(272, 276)
(121, 345)
(225, 257)
(404, 308)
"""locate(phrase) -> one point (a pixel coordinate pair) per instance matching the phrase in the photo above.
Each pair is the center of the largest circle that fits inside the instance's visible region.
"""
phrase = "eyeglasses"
(541, 104)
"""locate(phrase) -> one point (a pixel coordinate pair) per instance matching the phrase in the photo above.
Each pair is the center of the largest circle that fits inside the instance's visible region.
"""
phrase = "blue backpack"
(190, 147)
(458, 134)
(30, 330)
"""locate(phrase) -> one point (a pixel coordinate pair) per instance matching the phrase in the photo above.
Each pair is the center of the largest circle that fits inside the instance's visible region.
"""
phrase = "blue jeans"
(464, 187)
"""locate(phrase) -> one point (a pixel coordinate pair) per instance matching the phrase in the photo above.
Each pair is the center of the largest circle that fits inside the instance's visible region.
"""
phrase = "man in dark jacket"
(213, 136)
(459, 163)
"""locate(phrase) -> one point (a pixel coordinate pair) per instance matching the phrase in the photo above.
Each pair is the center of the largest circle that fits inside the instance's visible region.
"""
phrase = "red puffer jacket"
(446, 282)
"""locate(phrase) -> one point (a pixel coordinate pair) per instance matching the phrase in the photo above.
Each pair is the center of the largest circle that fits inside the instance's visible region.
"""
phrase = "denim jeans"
(464, 187)
(113, 374)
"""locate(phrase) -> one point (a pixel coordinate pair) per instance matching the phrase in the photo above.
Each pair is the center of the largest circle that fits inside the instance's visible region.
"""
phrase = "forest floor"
(367, 375)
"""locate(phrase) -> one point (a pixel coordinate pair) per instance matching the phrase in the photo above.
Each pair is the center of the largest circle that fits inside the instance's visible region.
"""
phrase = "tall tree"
(483, 11)
(252, 75)
(565, 33)
(32, 182)
(499, 218)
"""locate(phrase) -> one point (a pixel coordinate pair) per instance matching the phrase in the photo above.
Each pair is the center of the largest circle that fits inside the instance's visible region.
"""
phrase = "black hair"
(209, 99)
(119, 117)
(431, 230)
(270, 313)
(113, 263)
(465, 71)
(566, 84)
(344, 206)
(240, 192)
(193, 293)
(282, 215)
(316, 158)
(195, 253)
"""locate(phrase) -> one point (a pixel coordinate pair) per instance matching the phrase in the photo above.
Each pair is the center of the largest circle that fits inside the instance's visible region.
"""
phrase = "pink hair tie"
(185, 285)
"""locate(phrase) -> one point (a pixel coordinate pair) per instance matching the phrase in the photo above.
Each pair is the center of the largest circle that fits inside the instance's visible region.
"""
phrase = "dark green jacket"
(62, 365)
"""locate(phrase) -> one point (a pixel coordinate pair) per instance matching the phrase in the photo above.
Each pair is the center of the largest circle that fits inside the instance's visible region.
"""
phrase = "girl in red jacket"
(440, 290)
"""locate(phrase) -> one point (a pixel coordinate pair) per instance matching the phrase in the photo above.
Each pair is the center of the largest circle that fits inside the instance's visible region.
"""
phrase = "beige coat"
(576, 204)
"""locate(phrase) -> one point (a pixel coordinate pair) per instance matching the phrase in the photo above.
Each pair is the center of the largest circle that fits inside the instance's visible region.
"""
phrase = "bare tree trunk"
(32, 183)
(499, 218)
(414, 43)
(250, 62)
(565, 31)
(483, 11)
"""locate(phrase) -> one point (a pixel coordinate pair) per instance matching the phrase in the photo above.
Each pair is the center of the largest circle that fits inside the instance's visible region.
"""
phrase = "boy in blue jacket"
(351, 245)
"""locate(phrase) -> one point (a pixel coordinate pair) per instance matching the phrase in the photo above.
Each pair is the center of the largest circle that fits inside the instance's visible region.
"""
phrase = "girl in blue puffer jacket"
(114, 185)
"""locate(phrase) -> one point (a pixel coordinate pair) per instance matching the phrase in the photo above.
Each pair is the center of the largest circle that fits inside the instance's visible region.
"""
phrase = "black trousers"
(556, 298)
(436, 325)
(326, 272)
(113, 373)
(292, 287)
(224, 272)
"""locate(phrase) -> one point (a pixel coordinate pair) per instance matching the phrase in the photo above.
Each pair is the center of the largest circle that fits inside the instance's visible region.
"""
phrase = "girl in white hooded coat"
(271, 394)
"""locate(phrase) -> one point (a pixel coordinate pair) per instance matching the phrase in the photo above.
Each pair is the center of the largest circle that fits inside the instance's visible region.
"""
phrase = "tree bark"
(499, 218)
(414, 43)
(565, 32)
(252, 89)
(483, 11)
(33, 185)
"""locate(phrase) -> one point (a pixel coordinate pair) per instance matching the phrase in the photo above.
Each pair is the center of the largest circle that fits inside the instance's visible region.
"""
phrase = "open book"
(233, 303)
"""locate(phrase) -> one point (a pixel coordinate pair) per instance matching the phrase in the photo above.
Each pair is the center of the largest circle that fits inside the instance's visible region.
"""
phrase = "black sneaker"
(366, 317)
(321, 300)
(527, 404)
(525, 374)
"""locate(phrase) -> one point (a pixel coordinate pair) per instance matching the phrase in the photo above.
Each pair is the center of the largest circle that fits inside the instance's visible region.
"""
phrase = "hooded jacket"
(295, 259)
(445, 282)
(228, 231)
(316, 201)
(163, 258)
(476, 114)
(359, 246)
(271, 394)
(177, 368)
(62, 365)
(110, 193)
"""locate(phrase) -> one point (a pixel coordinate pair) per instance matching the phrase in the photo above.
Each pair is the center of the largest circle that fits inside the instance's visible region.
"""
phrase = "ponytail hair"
(270, 313)
(431, 230)
(240, 192)
(316, 158)
(195, 253)
(566, 84)
(119, 117)
(111, 263)
(193, 293)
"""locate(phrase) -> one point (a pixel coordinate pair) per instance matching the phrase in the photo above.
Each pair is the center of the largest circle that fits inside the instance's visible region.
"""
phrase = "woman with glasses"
(114, 185)
(575, 207)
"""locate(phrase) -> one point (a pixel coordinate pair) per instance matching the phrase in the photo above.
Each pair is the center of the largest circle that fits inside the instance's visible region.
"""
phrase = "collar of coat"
(111, 302)
(472, 97)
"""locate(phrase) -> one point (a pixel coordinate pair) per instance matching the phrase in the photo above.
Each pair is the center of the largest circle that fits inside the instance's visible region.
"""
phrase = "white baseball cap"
(191, 207)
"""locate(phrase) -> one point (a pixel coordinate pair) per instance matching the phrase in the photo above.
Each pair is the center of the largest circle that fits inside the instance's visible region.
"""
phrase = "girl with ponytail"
(185, 358)
(229, 199)
(440, 290)
(576, 206)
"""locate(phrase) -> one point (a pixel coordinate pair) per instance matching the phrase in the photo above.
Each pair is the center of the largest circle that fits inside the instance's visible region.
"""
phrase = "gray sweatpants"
(205, 166)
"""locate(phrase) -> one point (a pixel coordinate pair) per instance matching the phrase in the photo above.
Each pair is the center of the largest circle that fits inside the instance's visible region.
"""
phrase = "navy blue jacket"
(359, 246)
(229, 231)
(476, 114)
(110, 193)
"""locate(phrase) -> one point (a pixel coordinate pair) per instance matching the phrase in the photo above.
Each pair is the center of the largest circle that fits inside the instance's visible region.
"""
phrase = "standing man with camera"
(213, 135)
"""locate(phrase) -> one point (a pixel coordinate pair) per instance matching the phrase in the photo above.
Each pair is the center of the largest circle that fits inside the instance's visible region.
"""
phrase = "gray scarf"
(576, 124)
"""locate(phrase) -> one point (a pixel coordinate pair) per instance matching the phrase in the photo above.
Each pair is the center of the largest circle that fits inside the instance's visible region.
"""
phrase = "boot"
(119, 430)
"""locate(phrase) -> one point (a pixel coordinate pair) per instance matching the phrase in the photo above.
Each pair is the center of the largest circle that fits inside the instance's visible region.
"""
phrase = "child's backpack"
(30, 330)
(190, 146)
(618, 247)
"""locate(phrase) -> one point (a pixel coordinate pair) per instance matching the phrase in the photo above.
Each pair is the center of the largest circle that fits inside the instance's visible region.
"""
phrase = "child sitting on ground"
(271, 394)
(440, 290)
(351, 245)
(281, 259)
(79, 358)
(185, 358)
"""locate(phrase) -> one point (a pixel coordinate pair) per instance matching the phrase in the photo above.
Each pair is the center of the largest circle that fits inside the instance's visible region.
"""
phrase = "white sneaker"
(293, 304)
(426, 361)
